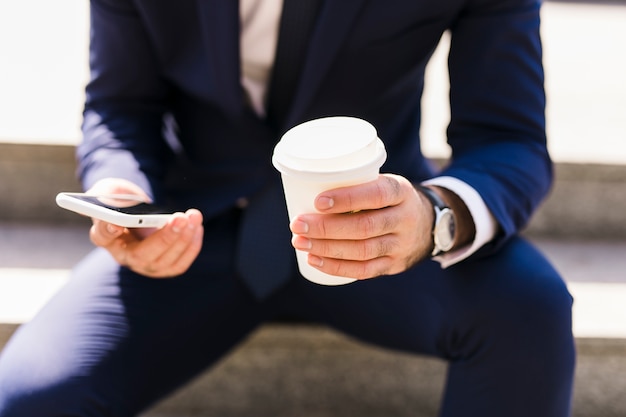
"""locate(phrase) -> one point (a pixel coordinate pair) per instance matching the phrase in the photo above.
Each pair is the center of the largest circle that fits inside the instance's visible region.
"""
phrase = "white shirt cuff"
(486, 225)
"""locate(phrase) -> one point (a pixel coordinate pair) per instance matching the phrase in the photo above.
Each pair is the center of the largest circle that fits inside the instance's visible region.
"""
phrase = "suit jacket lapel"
(334, 24)
(221, 39)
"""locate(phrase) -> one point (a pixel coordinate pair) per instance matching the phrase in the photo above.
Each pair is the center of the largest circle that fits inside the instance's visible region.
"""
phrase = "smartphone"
(119, 209)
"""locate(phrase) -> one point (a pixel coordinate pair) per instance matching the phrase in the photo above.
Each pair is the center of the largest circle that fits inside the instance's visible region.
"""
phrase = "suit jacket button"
(242, 202)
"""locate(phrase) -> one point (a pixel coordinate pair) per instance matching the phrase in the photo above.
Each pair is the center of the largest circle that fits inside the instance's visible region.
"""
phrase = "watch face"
(444, 231)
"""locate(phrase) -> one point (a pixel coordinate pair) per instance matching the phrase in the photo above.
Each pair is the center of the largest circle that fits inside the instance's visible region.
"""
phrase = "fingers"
(373, 229)
(177, 247)
(165, 252)
(170, 250)
(363, 204)
(357, 250)
(356, 269)
(373, 253)
(104, 234)
(359, 225)
(387, 190)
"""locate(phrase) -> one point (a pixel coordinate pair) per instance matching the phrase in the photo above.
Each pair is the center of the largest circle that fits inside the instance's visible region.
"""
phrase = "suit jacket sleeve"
(123, 116)
(497, 129)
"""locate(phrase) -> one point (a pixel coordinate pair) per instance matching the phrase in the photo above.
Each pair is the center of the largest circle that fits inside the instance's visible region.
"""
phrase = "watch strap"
(433, 197)
(438, 207)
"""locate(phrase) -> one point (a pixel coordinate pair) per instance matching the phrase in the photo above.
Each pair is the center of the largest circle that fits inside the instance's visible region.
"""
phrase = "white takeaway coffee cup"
(320, 155)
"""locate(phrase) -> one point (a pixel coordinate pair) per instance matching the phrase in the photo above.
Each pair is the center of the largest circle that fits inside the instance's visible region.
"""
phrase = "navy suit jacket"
(166, 110)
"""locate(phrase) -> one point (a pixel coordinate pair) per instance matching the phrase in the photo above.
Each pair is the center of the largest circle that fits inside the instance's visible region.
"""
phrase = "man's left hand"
(378, 228)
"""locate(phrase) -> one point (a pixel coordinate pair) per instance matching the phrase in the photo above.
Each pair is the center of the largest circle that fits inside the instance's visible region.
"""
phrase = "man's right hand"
(158, 253)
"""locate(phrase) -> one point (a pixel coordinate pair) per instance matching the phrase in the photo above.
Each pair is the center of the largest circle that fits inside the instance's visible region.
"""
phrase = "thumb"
(103, 233)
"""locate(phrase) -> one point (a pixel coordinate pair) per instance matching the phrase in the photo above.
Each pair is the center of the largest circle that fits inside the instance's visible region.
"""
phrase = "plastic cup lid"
(329, 145)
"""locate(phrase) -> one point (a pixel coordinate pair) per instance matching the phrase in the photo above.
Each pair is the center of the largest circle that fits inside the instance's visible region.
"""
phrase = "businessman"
(185, 103)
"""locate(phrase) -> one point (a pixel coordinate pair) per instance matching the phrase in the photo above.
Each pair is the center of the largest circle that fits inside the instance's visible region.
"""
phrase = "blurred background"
(581, 227)
(43, 53)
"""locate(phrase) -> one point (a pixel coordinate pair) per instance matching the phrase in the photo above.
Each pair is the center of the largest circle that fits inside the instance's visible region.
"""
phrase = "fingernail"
(112, 229)
(315, 261)
(325, 203)
(301, 243)
(178, 225)
(299, 227)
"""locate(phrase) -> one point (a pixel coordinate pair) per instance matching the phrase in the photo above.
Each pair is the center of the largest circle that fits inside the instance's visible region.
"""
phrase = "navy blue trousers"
(111, 343)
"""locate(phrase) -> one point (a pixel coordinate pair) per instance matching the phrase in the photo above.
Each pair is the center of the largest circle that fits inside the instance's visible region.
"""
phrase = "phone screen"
(123, 204)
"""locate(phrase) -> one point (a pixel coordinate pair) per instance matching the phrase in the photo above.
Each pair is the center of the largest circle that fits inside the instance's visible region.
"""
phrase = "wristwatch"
(444, 227)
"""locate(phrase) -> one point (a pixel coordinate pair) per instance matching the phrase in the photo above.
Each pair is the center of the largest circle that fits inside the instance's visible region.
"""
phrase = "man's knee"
(516, 297)
(536, 296)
